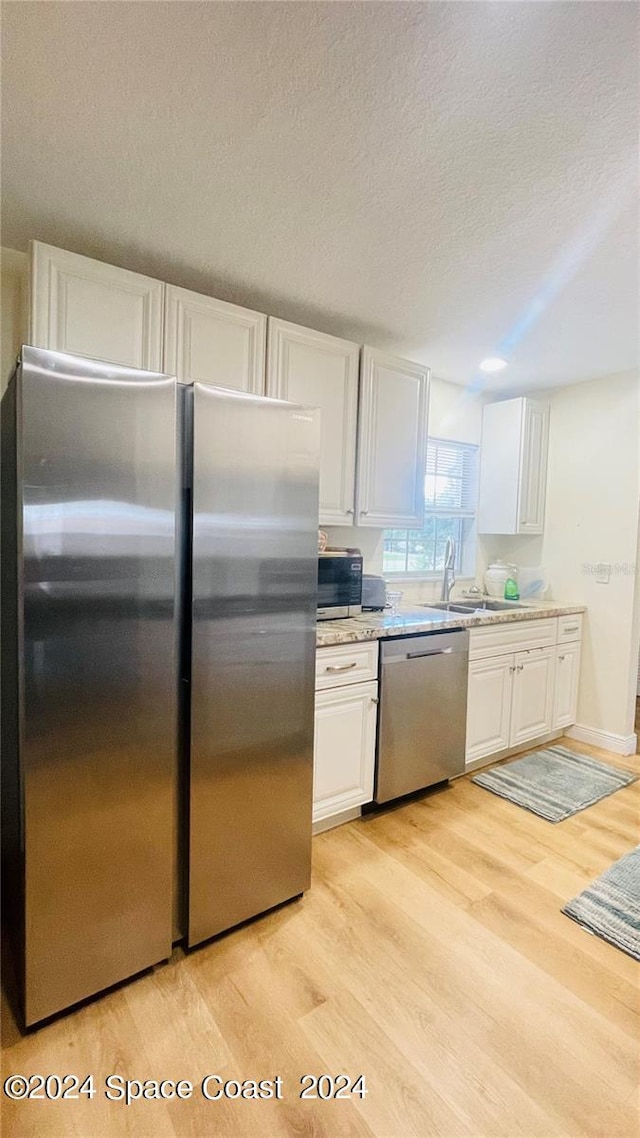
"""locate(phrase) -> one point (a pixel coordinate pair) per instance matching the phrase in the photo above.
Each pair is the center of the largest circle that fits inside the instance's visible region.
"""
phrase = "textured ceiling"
(447, 180)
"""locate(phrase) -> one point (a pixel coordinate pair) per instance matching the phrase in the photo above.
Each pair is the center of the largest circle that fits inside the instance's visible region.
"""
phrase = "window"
(450, 495)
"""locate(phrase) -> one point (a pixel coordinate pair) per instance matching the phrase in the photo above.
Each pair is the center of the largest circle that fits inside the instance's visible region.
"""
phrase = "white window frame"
(466, 548)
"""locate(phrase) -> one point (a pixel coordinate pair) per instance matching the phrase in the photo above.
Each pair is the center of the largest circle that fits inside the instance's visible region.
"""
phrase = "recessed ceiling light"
(493, 363)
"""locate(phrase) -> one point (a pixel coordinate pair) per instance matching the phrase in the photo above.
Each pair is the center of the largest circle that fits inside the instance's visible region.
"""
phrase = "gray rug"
(610, 907)
(554, 783)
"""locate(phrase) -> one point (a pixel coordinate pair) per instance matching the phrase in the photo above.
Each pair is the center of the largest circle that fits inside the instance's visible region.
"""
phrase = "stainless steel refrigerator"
(158, 620)
(89, 703)
(249, 544)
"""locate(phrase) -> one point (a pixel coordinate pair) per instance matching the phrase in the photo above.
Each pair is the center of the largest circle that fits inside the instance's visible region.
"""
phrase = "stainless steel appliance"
(129, 625)
(374, 592)
(339, 584)
(423, 712)
(249, 652)
(88, 671)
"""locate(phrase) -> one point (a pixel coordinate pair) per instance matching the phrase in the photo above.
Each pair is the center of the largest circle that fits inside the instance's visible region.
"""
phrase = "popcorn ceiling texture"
(445, 180)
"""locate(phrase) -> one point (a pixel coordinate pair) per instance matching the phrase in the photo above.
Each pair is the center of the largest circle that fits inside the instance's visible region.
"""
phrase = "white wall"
(454, 413)
(593, 492)
(13, 274)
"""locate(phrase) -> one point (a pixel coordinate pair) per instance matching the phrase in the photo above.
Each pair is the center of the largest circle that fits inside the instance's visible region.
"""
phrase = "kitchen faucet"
(449, 574)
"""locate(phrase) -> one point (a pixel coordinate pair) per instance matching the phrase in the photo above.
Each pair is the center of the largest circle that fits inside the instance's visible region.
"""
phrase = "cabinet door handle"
(363, 512)
(561, 657)
(521, 667)
(341, 667)
(350, 510)
(512, 668)
(373, 700)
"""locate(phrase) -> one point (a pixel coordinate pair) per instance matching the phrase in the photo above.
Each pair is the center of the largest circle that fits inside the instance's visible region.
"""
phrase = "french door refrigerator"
(89, 693)
(159, 571)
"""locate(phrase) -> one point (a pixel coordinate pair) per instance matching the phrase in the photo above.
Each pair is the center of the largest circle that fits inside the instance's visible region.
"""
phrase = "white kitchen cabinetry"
(523, 683)
(93, 309)
(321, 371)
(392, 440)
(532, 699)
(489, 706)
(566, 685)
(211, 341)
(513, 467)
(345, 738)
(345, 729)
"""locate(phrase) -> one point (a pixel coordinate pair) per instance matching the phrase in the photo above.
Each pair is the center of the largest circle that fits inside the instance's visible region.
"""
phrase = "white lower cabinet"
(565, 703)
(345, 728)
(517, 696)
(532, 698)
(344, 752)
(489, 706)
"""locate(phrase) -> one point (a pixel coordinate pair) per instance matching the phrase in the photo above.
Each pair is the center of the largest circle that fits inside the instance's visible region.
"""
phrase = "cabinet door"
(566, 685)
(344, 750)
(210, 341)
(392, 440)
(532, 702)
(533, 471)
(321, 371)
(92, 309)
(489, 706)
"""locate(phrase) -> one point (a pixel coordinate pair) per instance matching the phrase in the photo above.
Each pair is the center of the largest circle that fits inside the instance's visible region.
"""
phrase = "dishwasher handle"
(434, 652)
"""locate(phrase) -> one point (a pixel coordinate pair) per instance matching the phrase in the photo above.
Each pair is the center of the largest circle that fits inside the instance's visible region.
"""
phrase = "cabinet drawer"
(346, 664)
(517, 636)
(569, 628)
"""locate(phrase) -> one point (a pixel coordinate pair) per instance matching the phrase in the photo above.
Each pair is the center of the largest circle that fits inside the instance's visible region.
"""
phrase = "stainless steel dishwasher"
(423, 712)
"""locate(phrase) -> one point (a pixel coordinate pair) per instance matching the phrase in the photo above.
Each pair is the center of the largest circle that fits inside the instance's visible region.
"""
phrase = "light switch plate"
(603, 573)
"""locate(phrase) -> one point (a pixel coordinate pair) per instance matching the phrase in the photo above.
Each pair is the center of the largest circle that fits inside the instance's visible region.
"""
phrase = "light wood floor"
(430, 955)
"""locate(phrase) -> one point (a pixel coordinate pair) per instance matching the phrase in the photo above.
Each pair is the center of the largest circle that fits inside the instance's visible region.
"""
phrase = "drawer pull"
(571, 628)
(341, 667)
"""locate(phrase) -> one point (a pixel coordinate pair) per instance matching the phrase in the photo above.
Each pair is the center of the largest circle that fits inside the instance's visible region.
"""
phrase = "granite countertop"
(408, 621)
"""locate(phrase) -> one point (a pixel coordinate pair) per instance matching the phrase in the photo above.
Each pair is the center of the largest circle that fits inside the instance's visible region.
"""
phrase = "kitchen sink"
(470, 607)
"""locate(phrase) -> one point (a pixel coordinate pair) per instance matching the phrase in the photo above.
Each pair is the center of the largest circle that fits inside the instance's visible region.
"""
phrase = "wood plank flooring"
(430, 955)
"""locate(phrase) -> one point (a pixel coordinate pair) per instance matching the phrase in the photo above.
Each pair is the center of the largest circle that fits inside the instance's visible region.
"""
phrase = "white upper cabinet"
(513, 467)
(392, 441)
(212, 341)
(93, 309)
(321, 371)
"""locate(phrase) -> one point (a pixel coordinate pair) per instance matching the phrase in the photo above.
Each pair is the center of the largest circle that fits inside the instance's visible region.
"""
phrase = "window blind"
(451, 480)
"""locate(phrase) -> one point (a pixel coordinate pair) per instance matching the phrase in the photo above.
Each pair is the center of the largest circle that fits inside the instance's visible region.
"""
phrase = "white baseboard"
(508, 752)
(608, 740)
(337, 819)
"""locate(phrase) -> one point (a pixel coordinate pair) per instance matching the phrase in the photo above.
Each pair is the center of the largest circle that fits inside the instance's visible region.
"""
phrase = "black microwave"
(339, 584)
